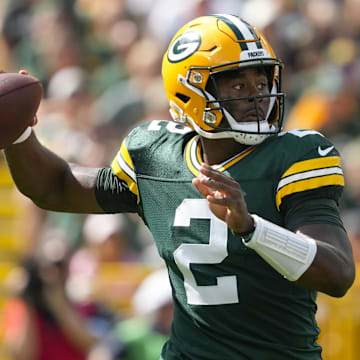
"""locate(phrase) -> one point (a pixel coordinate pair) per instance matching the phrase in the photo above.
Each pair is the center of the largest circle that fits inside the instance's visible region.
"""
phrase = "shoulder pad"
(146, 134)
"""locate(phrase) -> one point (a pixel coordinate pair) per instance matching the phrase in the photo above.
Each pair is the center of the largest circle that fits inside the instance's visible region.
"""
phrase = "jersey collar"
(194, 159)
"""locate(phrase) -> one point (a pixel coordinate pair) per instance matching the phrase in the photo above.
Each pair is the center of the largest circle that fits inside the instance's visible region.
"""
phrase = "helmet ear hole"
(182, 97)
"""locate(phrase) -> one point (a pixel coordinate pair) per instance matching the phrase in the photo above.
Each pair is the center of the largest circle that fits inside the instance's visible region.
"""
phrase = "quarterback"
(244, 214)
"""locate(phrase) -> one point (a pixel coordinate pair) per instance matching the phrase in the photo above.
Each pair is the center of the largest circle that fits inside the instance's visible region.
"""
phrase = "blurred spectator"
(107, 238)
(351, 165)
(116, 112)
(16, 24)
(146, 332)
(41, 323)
(351, 221)
(164, 18)
(67, 108)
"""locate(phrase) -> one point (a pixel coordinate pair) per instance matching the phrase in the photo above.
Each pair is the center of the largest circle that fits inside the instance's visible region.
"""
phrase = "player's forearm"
(36, 171)
(332, 270)
(318, 257)
(49, 180)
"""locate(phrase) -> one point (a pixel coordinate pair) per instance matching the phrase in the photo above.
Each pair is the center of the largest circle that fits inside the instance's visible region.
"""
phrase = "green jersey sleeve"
(113, 194)
(313, 172)
(312, 211)
(310, 186)
(117, 189)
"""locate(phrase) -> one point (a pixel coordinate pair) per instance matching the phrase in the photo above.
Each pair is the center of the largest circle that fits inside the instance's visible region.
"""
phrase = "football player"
(244, 215)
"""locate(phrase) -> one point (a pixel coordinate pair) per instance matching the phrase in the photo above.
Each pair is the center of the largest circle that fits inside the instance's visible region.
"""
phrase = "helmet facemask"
(268, 121)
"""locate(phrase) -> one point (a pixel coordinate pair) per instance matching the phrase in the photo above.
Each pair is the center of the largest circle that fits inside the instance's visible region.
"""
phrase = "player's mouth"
(253, 115)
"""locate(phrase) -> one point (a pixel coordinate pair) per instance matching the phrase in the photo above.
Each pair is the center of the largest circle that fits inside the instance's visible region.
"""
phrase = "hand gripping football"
(20, 96)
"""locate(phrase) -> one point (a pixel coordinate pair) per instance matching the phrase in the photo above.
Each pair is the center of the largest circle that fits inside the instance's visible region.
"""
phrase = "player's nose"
(253, 92)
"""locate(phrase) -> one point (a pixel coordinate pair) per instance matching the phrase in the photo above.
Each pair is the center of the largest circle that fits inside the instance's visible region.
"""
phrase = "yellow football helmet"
(208, 46)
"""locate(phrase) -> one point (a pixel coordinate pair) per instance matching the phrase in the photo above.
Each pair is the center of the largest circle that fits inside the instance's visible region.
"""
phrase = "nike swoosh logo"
(324, 152)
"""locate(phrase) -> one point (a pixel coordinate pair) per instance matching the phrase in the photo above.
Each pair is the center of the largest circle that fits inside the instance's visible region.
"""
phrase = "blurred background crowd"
(97, 280)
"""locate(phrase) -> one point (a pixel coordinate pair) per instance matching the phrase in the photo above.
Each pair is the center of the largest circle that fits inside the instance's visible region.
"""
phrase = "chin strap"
(291, 254)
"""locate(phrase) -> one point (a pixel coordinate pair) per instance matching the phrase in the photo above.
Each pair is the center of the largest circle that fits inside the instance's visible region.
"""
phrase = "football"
(20, 96)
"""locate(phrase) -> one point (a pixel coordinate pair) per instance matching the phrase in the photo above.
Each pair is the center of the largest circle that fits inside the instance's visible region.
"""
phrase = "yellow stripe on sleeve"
(313, 164)
(123, 168)
(308, 184)
(126, 156)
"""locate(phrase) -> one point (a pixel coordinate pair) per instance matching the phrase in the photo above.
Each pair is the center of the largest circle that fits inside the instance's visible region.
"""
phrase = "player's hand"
(225, 198)
(35, 120)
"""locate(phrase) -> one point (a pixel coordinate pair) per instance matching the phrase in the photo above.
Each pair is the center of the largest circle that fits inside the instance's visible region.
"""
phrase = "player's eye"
(238, 86)
(262, 85)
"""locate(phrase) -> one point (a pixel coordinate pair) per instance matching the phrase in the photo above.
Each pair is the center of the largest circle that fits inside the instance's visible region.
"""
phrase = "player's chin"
(250, 118)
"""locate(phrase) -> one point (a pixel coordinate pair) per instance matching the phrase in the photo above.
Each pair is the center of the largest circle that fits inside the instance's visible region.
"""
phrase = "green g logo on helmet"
(184, 46)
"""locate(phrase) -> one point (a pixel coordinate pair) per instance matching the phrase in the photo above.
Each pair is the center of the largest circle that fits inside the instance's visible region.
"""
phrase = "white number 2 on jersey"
(225, 291)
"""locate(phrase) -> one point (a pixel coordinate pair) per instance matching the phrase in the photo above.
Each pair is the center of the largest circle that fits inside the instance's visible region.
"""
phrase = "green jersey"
(229, 303)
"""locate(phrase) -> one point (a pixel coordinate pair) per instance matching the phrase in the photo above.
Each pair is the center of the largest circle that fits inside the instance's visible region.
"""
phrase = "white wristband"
(289, 253)
(23, 136)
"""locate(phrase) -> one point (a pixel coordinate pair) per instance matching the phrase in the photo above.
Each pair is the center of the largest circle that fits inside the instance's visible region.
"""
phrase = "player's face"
(245, 82)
